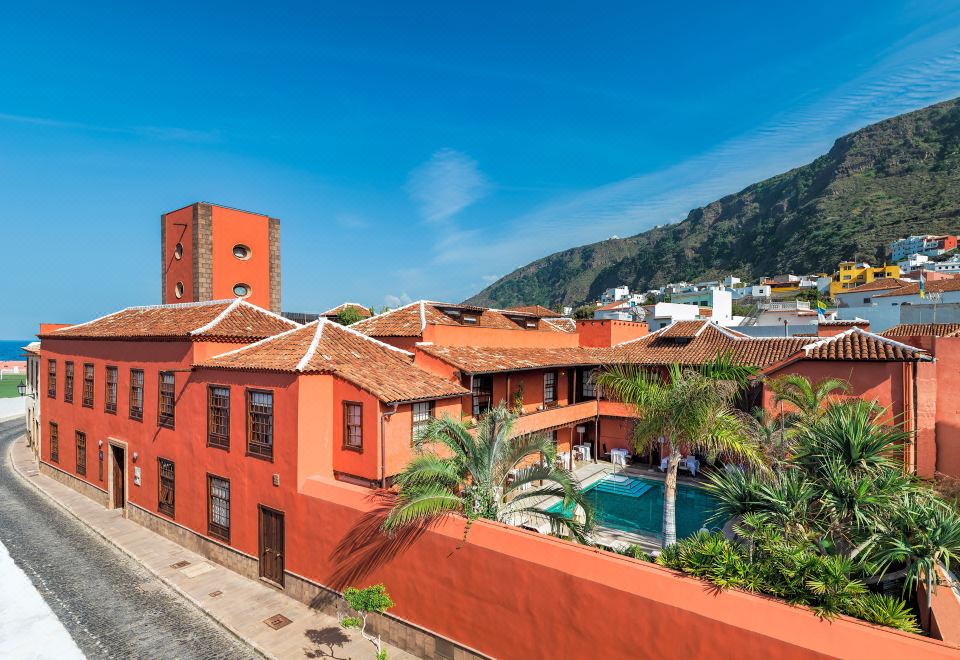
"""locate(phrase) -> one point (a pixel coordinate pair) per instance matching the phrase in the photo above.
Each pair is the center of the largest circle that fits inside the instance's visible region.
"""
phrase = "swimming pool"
(633, 504)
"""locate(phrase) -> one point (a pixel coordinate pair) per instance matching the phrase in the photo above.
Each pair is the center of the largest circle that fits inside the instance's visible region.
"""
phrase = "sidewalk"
(12, 407)
(241, 605)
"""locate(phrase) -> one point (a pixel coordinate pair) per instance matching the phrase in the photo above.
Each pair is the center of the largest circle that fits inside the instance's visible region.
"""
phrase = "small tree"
(370, 600)
(349, 315)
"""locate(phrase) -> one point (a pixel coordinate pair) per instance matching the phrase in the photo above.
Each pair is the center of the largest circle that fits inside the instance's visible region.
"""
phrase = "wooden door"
(271, 545)
(119, 500)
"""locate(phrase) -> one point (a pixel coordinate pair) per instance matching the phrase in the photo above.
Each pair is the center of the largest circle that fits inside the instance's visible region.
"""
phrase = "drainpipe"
(916, 424)
(383, 444)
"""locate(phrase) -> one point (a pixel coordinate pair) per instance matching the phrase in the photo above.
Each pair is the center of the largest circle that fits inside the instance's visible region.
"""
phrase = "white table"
(618, 456)
(584, 450)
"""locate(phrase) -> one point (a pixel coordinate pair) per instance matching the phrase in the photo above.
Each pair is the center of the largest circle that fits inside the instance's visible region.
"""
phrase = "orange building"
(212, 252)
(254, 440)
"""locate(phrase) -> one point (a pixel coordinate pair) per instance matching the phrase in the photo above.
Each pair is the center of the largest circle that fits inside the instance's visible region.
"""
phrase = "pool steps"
(619, 485)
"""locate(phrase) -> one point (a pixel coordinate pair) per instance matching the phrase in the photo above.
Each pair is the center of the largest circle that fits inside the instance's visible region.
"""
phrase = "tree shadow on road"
(330, 638)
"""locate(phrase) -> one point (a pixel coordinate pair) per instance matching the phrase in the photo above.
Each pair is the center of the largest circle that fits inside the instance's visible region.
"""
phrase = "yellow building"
(853, 274)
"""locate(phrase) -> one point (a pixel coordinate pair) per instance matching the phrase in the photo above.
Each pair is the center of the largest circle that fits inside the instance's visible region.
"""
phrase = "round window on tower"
(178, 290)
(178, 252)
(241, 251)
(241, 290)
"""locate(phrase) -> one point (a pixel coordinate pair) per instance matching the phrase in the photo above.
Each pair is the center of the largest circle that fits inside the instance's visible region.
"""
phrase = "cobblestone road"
(111, 606)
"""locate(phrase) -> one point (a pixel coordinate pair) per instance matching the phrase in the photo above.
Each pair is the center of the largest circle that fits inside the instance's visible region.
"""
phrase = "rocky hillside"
(898, 177)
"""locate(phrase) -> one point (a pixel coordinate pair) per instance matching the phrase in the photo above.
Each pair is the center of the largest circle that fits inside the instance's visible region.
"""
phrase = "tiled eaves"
(325, 347)
(923, 330)
(214, 321)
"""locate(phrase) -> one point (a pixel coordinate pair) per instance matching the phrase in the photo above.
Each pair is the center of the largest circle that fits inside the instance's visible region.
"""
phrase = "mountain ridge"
(897, 177)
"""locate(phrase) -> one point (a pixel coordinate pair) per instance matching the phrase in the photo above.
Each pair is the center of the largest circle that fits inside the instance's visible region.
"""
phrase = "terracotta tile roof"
(410, 320)
(33, 348)
(619, 304)
(536, 310)
(562, 323)
(836, 322)
(217, 320)
(882, 284)
(327, 347)
(695, 345)
(684, 329)
(923, 330)
(857, 344)
(938, 286)
(478, 360)
(363, 310)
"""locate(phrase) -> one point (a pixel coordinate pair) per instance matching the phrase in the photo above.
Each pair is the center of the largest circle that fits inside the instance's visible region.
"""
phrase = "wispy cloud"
(917, 73)
(161, 133)
(446, 184)
(396, 301)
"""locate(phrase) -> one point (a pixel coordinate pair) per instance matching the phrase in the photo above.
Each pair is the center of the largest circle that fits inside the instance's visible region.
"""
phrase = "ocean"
(12, 349)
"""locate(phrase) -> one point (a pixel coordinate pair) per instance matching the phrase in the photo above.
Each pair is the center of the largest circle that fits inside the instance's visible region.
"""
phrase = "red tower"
(213, 252)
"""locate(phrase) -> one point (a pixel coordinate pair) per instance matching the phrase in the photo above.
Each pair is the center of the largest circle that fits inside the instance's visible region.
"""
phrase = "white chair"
(663, 463)
(693, 465)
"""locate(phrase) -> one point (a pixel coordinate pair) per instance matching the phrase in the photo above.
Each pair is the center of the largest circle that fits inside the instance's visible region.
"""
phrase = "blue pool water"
(635, 505)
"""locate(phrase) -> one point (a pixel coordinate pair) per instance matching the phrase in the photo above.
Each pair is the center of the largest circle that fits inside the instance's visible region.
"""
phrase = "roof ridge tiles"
(389, 312)
(865, 334)
(373, 340)
(270, 313)
(217, 319)
(195, 303)
(305, 360)
(261, 342)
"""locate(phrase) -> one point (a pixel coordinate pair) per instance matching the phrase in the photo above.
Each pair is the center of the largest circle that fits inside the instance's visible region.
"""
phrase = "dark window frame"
(218, 439)
(258, 448)
(589, 378)
(347, 425)
(166, 480)
(51, 378)
(110, 389)
(417, 424)
(550, 394)
(68, 381)
(54, 442)
(478, 394)
(136, 413)
(168, 392)
(89, 381)
(81, 440)
(216, 529)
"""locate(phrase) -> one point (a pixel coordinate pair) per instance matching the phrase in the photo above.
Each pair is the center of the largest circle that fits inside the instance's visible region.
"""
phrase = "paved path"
(11, 407)
(25, 617)
(125, 611)
(110, 606)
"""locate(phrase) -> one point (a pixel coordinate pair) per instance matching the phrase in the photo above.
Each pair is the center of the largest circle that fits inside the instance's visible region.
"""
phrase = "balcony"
(555, 418)
(615, 409)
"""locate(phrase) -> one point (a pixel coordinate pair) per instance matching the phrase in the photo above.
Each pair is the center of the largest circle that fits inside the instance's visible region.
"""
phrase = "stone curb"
(253, 645)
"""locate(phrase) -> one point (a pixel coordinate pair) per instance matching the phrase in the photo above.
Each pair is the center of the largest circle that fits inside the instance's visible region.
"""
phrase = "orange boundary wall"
(515, 594)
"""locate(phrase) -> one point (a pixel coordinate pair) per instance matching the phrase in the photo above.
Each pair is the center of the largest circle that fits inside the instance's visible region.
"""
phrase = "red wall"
(178, 228)
(231, 227)
(515, 594)
(458, 335)
(503, 592)
(606, 333)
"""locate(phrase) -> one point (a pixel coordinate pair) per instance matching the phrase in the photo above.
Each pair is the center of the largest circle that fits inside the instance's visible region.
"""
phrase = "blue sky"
(415, 149)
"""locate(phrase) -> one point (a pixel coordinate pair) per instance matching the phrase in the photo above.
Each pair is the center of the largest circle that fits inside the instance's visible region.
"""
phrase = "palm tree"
(467, 471)
(690, 409)
(852, 434)
(808, 401)
(924, 534)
